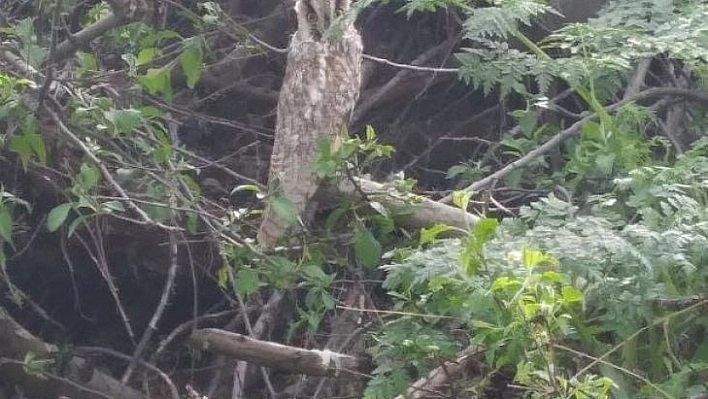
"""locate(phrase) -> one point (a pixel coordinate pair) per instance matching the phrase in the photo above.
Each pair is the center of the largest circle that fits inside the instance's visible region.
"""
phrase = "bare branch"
(278, 356)
(658, 92)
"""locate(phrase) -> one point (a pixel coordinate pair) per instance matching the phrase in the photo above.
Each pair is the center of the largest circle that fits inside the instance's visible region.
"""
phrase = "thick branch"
(283, 357)
(124, 11)
(409, 210)
(448, 373)
(80, 381)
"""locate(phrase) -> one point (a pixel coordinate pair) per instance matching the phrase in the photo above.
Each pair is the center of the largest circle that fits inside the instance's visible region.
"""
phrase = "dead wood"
(80, 379)
(409, 210)
(282, 357)
(441, 378)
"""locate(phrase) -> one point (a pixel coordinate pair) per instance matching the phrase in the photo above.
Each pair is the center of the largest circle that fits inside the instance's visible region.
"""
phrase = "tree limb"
(278, 356)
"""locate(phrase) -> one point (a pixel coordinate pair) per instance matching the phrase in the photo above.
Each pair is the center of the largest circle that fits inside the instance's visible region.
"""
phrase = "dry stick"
(373, 100)
(637, 80)
(106, 275)
(367, 57)
(265, 319)
(443, 374)
(152, 326)
(574, 128)
(183, 327)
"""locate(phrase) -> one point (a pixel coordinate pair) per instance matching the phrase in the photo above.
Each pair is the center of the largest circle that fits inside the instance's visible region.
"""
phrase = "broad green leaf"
(429, 235)
(158, 81)
(554, 277)
(527, 120)
(163, 152)
(75, 224)
(112, 206)
(461, 199)
(5, 224)
(247, 282)
(366, 248)
(124, 120)
(335, 215)
(281, 271)
(57, 216)
(315, 275)
(191, 61)
(572, 294)
(284, 208)
(87, 61)
(36, 142)
(88, 176)
(23, 148)
(327, 300)
(145, 55)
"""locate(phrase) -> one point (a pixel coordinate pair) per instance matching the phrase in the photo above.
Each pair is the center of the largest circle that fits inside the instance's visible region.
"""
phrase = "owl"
(320, 88)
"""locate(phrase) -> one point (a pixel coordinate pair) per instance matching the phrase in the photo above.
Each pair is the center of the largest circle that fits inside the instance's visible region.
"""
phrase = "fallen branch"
(446, 374)
(289, 358)
(81, 381)
(409, 210)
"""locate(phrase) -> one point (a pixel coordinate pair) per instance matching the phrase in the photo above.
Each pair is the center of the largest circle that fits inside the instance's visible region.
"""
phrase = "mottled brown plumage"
(319, 91)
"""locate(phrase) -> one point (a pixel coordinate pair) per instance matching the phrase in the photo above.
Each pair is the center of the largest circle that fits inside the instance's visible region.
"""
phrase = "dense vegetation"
(133, 154)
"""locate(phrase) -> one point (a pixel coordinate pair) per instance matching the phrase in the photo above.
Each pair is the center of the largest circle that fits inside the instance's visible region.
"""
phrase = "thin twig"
(164, 298)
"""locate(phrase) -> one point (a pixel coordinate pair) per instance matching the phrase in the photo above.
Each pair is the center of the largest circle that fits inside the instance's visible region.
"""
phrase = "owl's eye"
(311, 17)
(339, 11)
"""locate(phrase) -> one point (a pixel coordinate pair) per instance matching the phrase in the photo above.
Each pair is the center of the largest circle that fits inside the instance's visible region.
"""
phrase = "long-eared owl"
(319, 91)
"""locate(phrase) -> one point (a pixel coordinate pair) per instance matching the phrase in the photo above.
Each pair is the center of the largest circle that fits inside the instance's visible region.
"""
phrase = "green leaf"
(163, 152)
(145, 55)
(191, 61)
(429, 235)
(527, 120)
(88, 176)
(335, 215)
(75, 225)
(22, 147)
(572, 294)
(484, 230)
(370, 133)
(192, 223)
(158, 81)
(461, 199)
(532, 258)
(247, 282)
(30, 131)
(366, 248)
(87, 61)
(284, 209)
(315, 275)
(57, 216)
(5, 224)
(124, 120)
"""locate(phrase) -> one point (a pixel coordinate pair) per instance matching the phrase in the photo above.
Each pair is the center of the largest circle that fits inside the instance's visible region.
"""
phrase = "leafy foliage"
(617, 265)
